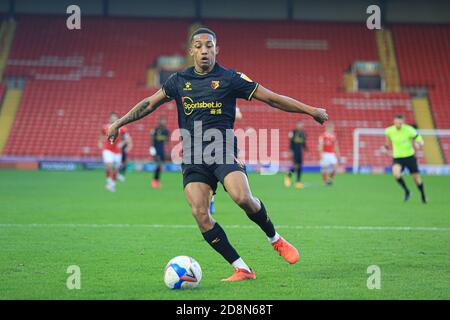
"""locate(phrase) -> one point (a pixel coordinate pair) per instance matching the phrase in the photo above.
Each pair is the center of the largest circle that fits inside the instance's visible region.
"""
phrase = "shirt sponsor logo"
(189, 106)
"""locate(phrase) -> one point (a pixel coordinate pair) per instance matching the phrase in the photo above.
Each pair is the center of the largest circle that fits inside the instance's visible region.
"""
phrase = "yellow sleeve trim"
(164, 91)
(253, 91)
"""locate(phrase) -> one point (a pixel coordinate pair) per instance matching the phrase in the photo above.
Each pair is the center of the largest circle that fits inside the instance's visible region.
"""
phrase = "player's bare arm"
(320, 146)
(337, 150)
(387, 145)
(139, 111)
(289, 104)
(100, 141)
(419, 141)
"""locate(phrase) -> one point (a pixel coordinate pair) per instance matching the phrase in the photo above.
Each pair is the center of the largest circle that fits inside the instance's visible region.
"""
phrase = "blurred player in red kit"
(329, 154)
(112, 152)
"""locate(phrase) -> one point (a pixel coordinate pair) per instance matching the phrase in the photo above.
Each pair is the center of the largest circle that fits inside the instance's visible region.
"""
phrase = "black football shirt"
(298, 140)
(208, 101)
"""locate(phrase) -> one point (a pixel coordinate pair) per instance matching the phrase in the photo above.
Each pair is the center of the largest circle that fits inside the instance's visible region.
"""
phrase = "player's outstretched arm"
(139, 111)
(288, 104)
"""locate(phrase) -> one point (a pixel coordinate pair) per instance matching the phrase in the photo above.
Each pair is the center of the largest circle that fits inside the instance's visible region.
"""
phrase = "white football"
(182, 272)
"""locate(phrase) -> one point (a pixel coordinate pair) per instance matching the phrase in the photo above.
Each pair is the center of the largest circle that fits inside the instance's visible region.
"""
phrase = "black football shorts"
(209, 173)
(408, 162)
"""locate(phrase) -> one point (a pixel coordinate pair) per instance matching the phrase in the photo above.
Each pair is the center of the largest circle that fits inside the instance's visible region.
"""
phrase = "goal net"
(369, 156)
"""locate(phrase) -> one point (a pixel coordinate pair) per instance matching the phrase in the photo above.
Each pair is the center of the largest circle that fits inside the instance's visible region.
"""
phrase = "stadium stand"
(423, 53)
(309, 67)
(76, 79)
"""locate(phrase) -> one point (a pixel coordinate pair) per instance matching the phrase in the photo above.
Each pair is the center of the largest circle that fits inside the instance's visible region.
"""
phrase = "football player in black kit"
(297, 145)
(158, 137)
(206, 95)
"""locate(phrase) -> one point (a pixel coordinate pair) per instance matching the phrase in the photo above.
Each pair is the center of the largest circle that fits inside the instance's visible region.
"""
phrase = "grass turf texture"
(126, 262)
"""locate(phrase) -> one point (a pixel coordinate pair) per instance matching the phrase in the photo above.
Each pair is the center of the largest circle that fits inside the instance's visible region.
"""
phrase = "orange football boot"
(287, 181)
(155, 184)
(299, 185)
(240, 275)
(286, 250)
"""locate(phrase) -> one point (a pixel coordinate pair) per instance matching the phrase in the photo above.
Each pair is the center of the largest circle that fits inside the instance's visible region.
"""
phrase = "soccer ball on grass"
(182, 272)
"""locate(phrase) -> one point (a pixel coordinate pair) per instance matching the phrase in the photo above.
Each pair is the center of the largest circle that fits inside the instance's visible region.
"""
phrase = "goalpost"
(368, 155)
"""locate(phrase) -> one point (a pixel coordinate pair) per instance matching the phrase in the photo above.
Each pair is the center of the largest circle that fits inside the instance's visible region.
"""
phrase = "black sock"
(401, 182)
(157, 172)
(263, 221)
(422, 191)
(299, 173)
(218, 240)
(291, 170)
(123, 169)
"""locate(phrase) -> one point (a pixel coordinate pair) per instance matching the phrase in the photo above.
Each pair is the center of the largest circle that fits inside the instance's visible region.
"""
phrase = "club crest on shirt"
(215, 84)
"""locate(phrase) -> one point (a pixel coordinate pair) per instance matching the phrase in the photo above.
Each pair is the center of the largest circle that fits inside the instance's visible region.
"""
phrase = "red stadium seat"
(76, 79)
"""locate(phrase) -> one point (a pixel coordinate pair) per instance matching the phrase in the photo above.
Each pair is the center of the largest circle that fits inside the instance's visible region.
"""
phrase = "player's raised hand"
(320, 115)
(113, 132)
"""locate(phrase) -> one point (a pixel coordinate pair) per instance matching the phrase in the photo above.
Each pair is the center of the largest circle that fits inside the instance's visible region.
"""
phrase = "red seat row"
(106, 62)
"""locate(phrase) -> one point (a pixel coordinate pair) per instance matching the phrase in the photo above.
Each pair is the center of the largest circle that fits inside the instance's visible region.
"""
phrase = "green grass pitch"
(122, 241)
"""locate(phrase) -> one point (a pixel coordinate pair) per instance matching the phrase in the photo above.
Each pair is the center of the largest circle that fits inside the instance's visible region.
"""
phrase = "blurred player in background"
(329, 154)
(297, 139)
(212, 209)
(126, 148)
(112, 153)
(158, 137)
(400, 137)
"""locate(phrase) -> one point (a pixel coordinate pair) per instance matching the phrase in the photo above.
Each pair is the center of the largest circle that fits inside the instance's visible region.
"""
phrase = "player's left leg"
(332, 173)
(116, 161)
(324, 175)
(236, 184)
(198, 196)
(397, 169)
(123, 167)
(413, 168)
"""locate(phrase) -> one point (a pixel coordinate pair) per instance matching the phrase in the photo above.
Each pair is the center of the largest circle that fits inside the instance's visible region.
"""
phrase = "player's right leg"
(157, 174)
(198, 196)
(109, 168)
(323, 168)
(397, 173)
(333, 172)
(287, 178)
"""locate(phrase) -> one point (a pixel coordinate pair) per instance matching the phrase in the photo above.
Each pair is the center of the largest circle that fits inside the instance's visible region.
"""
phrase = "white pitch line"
(190, 226)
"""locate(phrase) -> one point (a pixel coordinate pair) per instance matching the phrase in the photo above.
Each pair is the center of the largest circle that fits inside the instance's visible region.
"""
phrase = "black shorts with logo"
(408, 162)
(209, 173)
